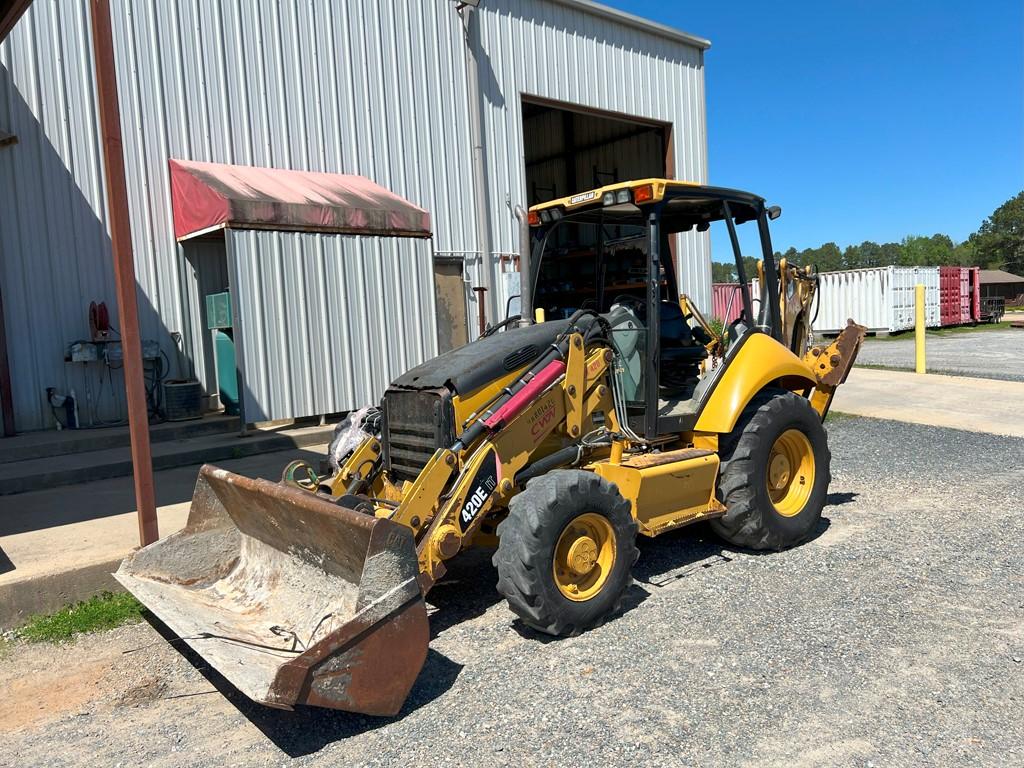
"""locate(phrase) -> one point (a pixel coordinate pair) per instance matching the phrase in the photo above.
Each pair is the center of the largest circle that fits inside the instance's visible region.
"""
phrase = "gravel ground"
(893, 638)
(987, 354)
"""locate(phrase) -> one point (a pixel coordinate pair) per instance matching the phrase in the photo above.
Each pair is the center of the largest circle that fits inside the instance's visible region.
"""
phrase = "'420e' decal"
(483, 485)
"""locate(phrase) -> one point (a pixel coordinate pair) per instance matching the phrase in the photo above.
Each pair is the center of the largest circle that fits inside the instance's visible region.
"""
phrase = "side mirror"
(774, 212)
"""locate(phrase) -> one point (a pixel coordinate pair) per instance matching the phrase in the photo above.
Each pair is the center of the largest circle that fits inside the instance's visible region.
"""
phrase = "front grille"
(416, 424)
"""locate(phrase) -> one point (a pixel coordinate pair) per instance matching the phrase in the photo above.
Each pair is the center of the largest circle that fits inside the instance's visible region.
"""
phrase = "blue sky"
(864, 120)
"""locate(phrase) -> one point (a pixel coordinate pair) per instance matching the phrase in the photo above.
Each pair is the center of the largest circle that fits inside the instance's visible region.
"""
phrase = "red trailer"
(949, 295)
(954, 295)
(975, 283)
(965, 295)
(726, 301)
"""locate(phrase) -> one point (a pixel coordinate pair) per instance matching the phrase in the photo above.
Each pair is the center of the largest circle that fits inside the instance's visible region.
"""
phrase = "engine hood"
(469, 367)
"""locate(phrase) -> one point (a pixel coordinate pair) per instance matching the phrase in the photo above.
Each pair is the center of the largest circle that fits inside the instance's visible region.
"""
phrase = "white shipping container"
(880, 298)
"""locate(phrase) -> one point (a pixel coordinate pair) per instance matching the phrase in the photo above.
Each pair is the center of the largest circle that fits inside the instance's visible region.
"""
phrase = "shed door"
(452, 319)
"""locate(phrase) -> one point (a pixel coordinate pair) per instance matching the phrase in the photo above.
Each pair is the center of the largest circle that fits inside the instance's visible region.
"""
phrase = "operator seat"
(681, 350)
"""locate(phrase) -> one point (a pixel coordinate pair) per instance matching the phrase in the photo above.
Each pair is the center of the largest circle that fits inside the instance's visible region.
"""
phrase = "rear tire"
(774, 474)
(566, 552)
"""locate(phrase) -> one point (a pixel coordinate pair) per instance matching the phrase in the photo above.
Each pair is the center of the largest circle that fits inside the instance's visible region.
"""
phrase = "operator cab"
(612, 250)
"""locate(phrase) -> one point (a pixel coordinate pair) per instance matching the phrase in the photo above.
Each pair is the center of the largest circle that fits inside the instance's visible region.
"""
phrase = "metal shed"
(330, 278)
(565, 92)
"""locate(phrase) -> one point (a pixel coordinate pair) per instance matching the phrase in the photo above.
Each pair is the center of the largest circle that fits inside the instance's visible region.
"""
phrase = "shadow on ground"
(37, 510)
(467, 592)
(309, 729)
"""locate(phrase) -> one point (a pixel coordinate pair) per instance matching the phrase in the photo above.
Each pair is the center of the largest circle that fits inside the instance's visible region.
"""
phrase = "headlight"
(545, 216)
(622, 196)
(608, 198)
(556, 214)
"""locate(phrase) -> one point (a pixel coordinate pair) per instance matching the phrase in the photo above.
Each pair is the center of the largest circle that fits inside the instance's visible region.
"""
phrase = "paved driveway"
(987, 354)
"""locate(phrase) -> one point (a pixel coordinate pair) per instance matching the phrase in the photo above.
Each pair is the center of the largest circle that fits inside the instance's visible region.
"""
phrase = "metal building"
(524, 101)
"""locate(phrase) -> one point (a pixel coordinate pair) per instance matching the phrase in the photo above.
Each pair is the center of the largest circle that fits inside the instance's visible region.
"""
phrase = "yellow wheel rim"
(790, 472)
(584, 556)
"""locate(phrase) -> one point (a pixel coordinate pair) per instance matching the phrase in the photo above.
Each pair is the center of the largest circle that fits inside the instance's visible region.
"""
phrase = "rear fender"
(759, 362)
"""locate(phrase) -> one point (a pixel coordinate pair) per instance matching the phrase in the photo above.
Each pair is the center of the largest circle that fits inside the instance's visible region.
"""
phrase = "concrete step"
(60, 545)
(40, 473)
(37, 445)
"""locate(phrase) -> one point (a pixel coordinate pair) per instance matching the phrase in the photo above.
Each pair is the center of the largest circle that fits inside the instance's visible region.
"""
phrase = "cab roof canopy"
(684, 204)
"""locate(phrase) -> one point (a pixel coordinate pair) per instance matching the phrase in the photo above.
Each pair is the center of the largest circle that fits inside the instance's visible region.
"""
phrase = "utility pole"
(124, 269)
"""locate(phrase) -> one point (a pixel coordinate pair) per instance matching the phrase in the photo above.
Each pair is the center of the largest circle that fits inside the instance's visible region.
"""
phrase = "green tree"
(722, 272)
(999, 242)
(919, 251)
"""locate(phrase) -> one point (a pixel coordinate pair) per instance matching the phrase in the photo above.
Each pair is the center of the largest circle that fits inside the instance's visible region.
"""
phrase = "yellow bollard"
(919, 327)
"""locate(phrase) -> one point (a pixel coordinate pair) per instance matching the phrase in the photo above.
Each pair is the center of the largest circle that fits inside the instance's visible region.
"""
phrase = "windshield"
(594, 263)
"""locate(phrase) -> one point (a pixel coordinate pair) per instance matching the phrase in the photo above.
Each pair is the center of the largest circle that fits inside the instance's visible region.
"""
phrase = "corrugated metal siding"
(53, 227)
(327, 321)
(310, 85)
(881, 298)
(727, 301)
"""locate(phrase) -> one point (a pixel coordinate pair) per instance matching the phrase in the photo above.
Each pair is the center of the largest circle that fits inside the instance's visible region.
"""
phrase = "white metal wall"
(562, 52)
(327, 321)
(372, 87)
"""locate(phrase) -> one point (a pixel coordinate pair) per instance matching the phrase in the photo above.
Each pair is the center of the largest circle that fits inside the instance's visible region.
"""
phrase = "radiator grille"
(416, 423)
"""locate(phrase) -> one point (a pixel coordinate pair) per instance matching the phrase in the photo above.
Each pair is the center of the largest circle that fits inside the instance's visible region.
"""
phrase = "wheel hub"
(778, 472)
(790, 472)
(582, 555)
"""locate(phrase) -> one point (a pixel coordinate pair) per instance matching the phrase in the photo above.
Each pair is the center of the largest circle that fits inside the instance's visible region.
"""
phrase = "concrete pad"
(959, 402)
(60, 545)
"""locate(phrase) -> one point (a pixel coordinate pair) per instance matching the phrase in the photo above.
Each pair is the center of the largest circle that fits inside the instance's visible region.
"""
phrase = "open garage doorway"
(571, 149)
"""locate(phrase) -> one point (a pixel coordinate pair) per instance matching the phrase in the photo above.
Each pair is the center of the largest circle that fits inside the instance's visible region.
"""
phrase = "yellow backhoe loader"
(606, 411)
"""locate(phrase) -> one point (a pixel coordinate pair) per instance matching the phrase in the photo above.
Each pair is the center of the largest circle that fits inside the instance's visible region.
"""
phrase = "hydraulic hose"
(556, 352)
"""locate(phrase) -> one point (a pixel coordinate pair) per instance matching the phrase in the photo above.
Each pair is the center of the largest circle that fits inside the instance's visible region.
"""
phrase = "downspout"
(525, 267)
(476, 135)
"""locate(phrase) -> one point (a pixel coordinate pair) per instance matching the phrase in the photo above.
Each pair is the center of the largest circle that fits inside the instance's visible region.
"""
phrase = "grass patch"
(104, 611)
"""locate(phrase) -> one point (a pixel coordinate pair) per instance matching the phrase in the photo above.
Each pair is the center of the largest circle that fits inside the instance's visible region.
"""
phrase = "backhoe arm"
(831, 364)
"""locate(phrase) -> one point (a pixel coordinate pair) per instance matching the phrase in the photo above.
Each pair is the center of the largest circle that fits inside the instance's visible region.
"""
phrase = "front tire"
(775, 473)
(566, 552)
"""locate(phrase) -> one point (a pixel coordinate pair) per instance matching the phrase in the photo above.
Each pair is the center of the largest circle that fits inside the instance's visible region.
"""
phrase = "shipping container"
(880, 298)
(954, 295)
(726, 302)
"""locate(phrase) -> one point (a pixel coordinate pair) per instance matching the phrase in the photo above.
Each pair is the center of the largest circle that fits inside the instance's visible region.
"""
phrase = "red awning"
(209, 196)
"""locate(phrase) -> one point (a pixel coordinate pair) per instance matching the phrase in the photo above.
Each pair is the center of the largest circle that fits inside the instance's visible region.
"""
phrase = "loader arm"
(564, 400)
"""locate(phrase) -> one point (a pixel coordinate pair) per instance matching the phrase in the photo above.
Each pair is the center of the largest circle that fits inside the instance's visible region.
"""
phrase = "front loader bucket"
(293, 599)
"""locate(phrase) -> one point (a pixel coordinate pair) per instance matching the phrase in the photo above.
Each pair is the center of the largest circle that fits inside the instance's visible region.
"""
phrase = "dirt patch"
(39, 696)
(44, 682)
(149, 690)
